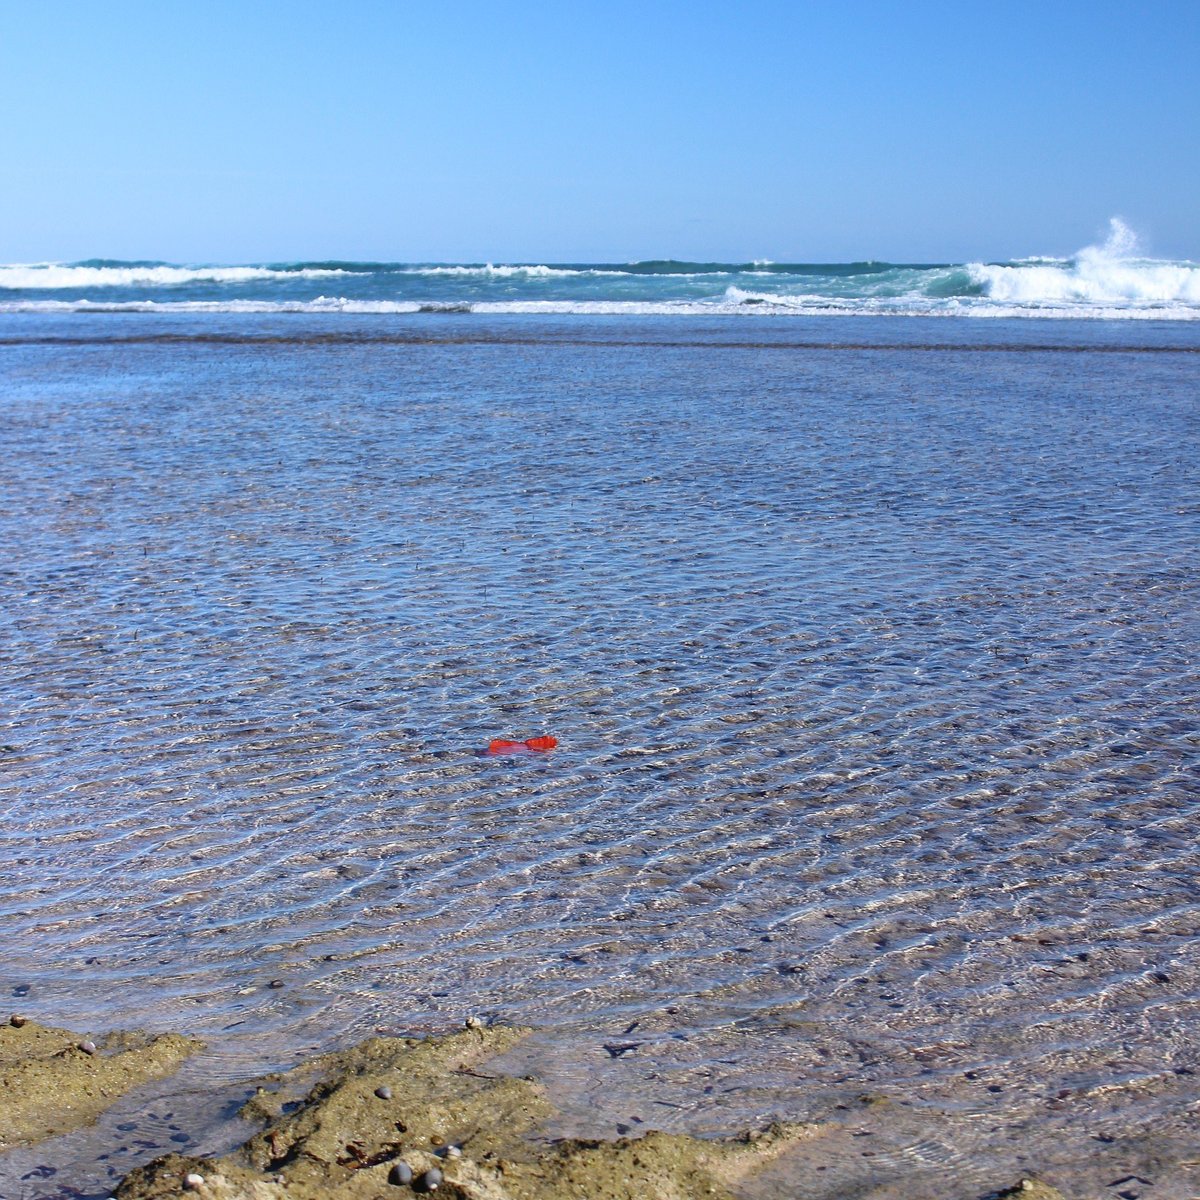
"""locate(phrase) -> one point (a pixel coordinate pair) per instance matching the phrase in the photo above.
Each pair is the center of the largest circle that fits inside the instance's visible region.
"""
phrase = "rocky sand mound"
(396, 1115)
(389, 1118)
(52, 1080)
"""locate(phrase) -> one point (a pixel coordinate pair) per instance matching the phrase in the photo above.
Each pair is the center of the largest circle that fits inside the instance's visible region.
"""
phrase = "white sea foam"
(1111, 275)
(57, 276)
(774, 306)
(322, 304)
(542, 271)
(505, 271)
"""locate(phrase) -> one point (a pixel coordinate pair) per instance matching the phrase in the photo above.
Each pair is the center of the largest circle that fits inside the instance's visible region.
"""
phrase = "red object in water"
(502, 746)
(505, 746)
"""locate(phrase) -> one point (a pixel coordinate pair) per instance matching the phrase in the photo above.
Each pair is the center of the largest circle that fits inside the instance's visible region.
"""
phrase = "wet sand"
(394, 1116)
(53, 1080)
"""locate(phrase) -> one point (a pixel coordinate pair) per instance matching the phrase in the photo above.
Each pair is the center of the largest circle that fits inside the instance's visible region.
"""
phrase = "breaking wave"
(1112, 281)
(511, 271)
(61, 277)
(1112, 275)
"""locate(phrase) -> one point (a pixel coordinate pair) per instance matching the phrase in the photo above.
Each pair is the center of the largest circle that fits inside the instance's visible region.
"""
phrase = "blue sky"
(909, 131)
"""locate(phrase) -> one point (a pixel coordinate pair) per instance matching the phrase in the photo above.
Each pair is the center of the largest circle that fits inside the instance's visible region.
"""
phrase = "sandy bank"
(393, 1117)
(53, 1080)
(397, 1116)
(346, 1124)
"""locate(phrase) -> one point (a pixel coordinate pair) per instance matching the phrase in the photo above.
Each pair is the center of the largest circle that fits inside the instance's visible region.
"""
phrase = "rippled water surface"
(874, 668)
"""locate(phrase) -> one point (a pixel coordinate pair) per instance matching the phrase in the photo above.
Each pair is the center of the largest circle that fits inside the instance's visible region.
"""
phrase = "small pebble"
(473, 1023)
(193, 1182)
(429, 1182)
(453, 1152)
(1027, 1185)
(17, 1021)
(400, 1173)
(88, 1047)
(275, 983)
(384, 1093)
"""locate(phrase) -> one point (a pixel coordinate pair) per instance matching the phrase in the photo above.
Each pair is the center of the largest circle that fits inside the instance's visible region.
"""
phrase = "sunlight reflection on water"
(874, 674)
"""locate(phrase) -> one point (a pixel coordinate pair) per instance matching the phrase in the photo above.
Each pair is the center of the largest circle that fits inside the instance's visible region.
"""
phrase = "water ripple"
(875, 678)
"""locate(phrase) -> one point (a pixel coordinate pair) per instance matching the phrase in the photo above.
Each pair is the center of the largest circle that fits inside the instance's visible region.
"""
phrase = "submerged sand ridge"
(53, 1080)
(392, 1117)
(397, 1115)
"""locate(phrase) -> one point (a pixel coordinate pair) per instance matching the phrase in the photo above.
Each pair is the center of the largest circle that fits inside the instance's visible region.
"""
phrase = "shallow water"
(872, 652)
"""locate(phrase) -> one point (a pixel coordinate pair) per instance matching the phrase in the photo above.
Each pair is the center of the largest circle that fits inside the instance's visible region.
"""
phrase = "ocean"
(1112, 281)
(870, 642)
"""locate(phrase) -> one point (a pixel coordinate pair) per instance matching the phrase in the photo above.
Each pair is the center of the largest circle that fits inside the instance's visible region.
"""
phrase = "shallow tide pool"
(872, 649)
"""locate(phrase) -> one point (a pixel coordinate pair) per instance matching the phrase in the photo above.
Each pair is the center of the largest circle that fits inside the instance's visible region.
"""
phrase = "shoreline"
(391, 1116)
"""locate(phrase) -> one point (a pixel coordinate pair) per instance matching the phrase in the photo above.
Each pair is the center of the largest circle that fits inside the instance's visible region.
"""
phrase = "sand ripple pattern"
(875, 676)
